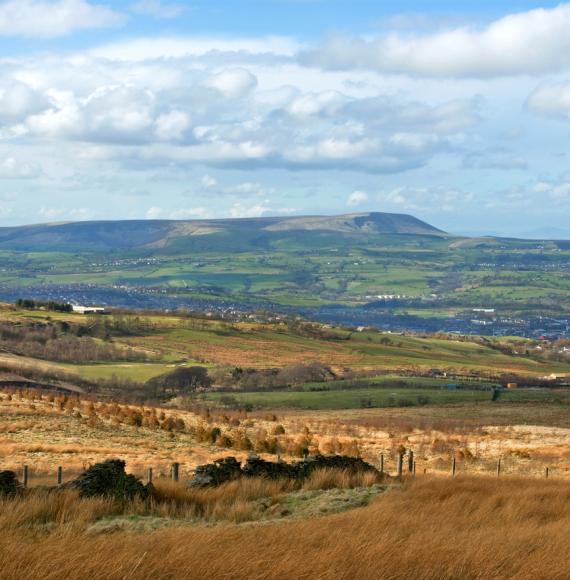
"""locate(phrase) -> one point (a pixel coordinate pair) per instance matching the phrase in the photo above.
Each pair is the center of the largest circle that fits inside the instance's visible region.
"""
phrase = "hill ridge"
(154, 233)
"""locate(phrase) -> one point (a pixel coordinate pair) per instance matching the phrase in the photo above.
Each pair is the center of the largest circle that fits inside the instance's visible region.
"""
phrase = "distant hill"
(388, 260)
(139, 234)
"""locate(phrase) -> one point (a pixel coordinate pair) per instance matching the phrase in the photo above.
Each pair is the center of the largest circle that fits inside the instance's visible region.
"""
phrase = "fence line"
(412, 463)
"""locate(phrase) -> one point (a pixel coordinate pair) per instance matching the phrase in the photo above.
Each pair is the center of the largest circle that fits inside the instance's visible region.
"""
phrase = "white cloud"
(239, 210)
(248, 188)
(315, 103)
(172, 126)
(426, 199)
(153, 48)
(73, 214)
(18, 100)
(356, 198)
(232, 83)
(47, 19)
(208, 181)
(110, 114)
(191, 213)
(551, 100)
(536, 41)
(11, 168)
(557, 190)
(154, 212)
(157, 9)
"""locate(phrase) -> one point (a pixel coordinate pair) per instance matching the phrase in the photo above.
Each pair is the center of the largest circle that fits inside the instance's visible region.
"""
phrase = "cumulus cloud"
(110, 114)
(177, 114)
(239, 210)
(356, 198)
(232, 82)
(18, 100)
(172, 126)
(48, 19)
(551, 100)
(316, 103)
(532, 42)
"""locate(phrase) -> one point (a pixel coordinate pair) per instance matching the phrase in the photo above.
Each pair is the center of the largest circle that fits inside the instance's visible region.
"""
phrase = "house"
(87, 309)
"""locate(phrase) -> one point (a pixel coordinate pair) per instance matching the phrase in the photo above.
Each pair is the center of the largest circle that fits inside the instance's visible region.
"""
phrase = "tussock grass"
(236, 501)
(62, 510)
(335, 478)
(470, 528)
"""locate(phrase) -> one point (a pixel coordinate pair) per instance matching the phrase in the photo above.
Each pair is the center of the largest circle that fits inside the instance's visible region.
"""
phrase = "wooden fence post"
(400, 465)
(149, 476)
(174, 471)
(381, 463)
(453, 466)
(411, 461)
(25, 476)
(499, 467)
(59, 475)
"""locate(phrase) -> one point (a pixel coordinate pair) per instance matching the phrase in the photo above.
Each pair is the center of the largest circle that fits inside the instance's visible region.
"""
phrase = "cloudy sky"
(458, 113)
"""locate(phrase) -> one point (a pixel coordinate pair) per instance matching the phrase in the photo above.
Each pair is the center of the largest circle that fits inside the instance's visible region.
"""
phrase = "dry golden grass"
(472, 528)
(36, 432)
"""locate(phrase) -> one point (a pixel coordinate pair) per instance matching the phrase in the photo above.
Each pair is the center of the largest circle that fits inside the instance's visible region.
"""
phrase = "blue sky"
(456, 112)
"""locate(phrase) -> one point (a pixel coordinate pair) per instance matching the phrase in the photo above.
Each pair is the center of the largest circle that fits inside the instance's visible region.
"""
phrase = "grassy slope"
(180, 340)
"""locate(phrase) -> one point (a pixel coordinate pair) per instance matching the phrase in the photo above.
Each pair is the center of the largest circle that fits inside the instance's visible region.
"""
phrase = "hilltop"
(119, 235)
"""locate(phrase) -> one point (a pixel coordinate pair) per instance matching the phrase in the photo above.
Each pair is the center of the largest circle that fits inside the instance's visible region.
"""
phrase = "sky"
(455, 112)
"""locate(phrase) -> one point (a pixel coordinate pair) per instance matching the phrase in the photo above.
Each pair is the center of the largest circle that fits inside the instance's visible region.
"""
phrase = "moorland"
(156, 389)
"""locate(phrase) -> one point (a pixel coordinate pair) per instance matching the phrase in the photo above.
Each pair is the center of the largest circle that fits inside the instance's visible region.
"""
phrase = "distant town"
(484, 321)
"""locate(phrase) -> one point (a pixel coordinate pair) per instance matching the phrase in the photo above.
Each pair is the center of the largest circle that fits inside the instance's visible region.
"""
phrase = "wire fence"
(402, 466)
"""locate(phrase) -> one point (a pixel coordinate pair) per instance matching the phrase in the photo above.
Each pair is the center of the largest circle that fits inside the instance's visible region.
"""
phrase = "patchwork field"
(162, 342)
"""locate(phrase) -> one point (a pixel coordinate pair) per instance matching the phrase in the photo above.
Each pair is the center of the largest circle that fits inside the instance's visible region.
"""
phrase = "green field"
(385, 397)
(436, 273)
(375, 397)
(350, 399)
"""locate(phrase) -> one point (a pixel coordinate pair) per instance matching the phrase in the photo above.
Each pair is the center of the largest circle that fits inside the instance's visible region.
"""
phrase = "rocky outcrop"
(257, 467)
(305, 467)
(229, 468)
(216, 473)
(110, 479)
(9, 484)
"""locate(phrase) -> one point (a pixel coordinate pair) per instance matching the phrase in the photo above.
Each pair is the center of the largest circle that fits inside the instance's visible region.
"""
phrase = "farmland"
(159, 343)
(252, 261)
